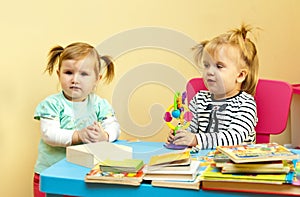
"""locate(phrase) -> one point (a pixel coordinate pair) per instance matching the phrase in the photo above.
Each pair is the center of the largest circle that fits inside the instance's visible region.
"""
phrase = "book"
(219, 157)
(257, 152)
(284, 166)
(88, 155)
(96, 175)
(252, 187)
(171, 159)
(194, 184)
(245, 170)
(213, 173)
(126, 165)
(296, 180)
(173, 173)
(264, 164)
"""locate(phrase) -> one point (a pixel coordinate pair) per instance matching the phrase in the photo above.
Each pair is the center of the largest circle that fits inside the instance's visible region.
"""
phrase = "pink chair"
(273, 99)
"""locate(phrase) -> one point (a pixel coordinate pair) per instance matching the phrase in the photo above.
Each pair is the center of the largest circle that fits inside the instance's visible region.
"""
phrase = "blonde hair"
(78, 51)
(236, 38)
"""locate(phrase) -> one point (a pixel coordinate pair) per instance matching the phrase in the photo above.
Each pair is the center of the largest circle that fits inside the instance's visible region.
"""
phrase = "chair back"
(273, 100)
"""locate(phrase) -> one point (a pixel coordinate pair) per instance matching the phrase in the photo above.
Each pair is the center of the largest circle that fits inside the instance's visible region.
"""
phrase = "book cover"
(169, 159)
(296, 180)
(264, 164)
(194, 184)
(178, 173)
(214, 173)
(252, 187)
(96, 175)
(89, 155)
(284, 166)
(257, 152)
(245, 170)
(126, 165)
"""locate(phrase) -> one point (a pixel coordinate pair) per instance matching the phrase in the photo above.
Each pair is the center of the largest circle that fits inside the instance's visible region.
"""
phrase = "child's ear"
(242, 76)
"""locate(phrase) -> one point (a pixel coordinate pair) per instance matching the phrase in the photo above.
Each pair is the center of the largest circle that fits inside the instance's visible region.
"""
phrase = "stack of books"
(261, 168)
(175, 170)
(124, 172)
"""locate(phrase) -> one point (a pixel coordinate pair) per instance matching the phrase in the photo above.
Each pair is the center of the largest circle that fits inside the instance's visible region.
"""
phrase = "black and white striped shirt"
(223, 122)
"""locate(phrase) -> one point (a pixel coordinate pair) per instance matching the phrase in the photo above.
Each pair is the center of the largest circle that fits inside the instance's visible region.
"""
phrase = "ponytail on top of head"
(248, 55)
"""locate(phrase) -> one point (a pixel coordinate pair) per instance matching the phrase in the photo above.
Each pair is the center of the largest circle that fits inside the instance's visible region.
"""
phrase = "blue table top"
(68, 178)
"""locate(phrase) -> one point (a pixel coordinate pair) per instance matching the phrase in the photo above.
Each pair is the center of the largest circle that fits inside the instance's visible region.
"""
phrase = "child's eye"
(206, 65)
(219, 66)
(68, 72)
(84, 74)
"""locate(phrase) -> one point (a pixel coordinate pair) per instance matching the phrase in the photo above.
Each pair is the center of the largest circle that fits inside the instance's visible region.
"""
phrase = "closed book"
(194, 184)
(126, 165)
(96, 175)
(89, 155)
(239, 170)
(214, 173)
(178, 173)
(264, 164)
(257, 152)
(252, 187)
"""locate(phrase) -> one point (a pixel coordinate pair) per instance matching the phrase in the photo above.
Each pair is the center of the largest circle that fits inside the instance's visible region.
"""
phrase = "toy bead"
(168, 117)
(188, 116)
(176, 113)
(183, 97)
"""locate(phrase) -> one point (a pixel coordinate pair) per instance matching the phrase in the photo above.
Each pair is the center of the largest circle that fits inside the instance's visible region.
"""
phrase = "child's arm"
(112, 127)
(107, 119)
(53, 135)
(89, 134)
(184, 137)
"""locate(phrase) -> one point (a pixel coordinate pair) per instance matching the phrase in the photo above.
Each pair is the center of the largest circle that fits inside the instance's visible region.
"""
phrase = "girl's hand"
(88, 135)
(102, 134)
(184, 137)
(170, 137)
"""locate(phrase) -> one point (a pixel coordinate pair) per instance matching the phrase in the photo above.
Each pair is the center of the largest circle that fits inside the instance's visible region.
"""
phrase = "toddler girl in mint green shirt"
(75, 115)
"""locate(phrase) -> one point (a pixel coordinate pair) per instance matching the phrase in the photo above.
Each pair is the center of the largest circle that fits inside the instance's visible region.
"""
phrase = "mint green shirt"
(72, 116)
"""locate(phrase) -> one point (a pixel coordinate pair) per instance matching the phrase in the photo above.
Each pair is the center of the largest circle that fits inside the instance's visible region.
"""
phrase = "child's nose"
(210, 70)
(75, 79)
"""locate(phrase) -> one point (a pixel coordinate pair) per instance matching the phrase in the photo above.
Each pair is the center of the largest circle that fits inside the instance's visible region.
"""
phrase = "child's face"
(222, 73)
(77, 78)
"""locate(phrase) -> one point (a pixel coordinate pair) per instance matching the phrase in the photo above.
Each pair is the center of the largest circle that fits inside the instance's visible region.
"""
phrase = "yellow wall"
(30, 28)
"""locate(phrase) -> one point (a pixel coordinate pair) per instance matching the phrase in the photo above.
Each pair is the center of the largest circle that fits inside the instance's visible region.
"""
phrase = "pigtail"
(199, 52)
(248, 55)
(109, 68)
(53, 58)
